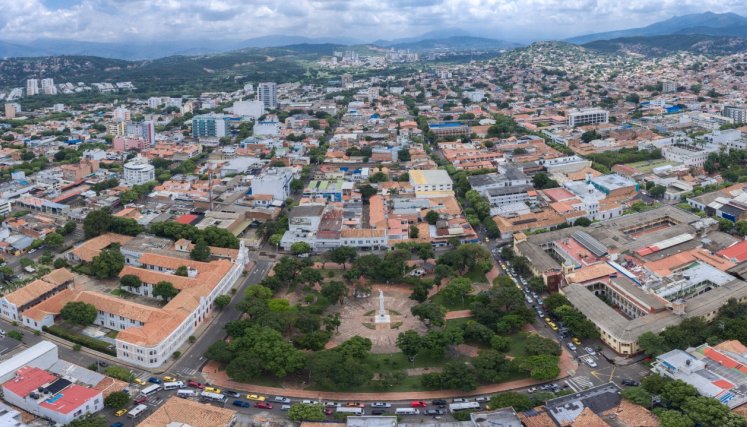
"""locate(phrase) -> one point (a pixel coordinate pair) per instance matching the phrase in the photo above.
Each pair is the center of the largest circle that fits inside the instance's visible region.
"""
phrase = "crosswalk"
(188, 372)
(579, 383)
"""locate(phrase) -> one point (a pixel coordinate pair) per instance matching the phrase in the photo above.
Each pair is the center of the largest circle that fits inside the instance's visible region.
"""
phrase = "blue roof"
(445, 125)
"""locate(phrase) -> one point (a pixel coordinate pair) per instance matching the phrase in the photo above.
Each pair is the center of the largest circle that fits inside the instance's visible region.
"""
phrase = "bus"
(407, 411)
(173, 385)
(351, 411)
(463, 406)
(213, 397)
(139, 409)
(151, 389)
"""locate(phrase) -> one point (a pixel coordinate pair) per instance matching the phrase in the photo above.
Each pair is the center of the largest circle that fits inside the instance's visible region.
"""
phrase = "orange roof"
(376, 212)
(39, 287)
(590, 272)
(632, 415)
(89, 249)
(588, 419)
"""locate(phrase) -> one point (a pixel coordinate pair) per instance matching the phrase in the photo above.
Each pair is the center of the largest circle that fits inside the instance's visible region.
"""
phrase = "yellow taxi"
(547, 320)
(576, 341)
(255, 397)
(169, 379)
(212, 390)
(553, 326)
(138, 381)
(120, 412)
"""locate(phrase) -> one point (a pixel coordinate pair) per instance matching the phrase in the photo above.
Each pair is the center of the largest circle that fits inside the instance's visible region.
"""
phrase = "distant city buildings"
(267, 93)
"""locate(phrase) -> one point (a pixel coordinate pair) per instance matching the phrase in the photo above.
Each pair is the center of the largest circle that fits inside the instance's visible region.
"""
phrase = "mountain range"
(708, 23)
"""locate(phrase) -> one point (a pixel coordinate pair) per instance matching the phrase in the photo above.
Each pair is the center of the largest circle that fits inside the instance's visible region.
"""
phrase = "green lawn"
(646, 166)
(476, 276)
(451, 304)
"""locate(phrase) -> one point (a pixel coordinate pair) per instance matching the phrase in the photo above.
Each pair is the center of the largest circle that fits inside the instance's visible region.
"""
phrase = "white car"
(482, 399)
(282, 399)
(571, 346)
(590, 351)
(381, 405)
(532, 390)
(310, 402)
(335, 404)
(589, 361)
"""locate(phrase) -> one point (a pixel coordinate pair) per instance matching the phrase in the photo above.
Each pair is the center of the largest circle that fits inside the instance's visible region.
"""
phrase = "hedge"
(83, 340)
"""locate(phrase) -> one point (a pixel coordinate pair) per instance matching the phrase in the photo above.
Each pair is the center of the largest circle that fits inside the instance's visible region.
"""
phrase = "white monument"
(382, 319)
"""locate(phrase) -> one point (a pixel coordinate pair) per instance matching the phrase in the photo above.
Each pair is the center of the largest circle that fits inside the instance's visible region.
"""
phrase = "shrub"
(16, 335)
(83, 340)
(192, 339)
(120, 373)
(176, 354)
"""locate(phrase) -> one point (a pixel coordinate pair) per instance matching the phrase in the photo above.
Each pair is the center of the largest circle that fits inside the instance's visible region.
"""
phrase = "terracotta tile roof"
(184, 411)
(39, 287)
(590, 272)
(632, 415)
(588, 419)
(537, 417)
(89, 249)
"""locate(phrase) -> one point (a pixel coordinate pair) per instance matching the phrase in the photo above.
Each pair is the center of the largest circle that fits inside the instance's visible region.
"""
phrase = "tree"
(117, 400)
(334, 370)
(200, 252)
(220, 352)
(542, 181)
(590, 135)
(429, 313)
(431, 217)
(582, 222)
(576, 322)
(652, 344)
(654, 383)
(300, 248)
(108, 263)
(413, 232)
(707, 411)
(637, 395)
(182, 271)
(542, 367)
(305, 412)
(553, 301)
(457, 375)
(89, 420)
(675, 393)
(491, 366)
(97, 222)
(672, 418)
(258, 292)
(658, 191)
(356, 347)
(538, 345)
(130, 281)
(367, 191)
(79, 312)
(457, 289)
(335, 291)
(500, 343)
(54, 240)
(266, 346)
(222, 301)
(410, 344)
(519, 402)
(536, 284)
(342, 255)
(164, 290)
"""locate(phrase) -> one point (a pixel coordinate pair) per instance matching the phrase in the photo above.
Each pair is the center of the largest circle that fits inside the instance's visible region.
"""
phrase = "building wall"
(30, 405)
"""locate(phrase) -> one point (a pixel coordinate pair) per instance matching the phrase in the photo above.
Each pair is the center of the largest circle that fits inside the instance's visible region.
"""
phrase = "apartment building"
(210, 126)
(736, 113)
(589, 116)
(139, 171)
(267, 93)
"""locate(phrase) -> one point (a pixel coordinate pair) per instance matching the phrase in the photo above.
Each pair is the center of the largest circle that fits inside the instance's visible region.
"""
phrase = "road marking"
(580, 383)
(572, 385)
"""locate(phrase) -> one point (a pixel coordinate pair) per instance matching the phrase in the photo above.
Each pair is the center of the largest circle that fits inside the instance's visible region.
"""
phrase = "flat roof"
(430, 177)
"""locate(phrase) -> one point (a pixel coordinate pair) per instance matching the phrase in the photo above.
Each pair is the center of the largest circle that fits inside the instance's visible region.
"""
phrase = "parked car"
(310, 402)
(328, 411)
(355, 405)
(154, 380)
(195, 384)
(282, 399)
(590, 351)
(532, 390)
(482, 399)
(242, 403)
(434, 412)
(459, 400)
(117, 424)
(576, 341)
(418, 404)
(140, 399)
(590, 361)
(232, 393)
(629, 382)
(120, 412)
(212, 390)
(570, 346)
(381, 405)
(255, 397)
(168, 379)
(138, 381)
(333, 404)
(378, 412)
(263, 405)
(100, 362)
(285, 408)
(440, 402)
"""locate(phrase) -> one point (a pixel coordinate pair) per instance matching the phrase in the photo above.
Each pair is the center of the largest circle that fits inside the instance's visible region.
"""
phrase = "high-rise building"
(11, 109)
(210, 126)
(668, 87)
(267, 92)
(121, 114)
(145, 129)
(589, 116)
(736, 113)
(32, 87)
(48, 87)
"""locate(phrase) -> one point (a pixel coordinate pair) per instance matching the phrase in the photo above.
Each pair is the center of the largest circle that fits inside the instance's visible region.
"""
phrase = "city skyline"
(365, 21)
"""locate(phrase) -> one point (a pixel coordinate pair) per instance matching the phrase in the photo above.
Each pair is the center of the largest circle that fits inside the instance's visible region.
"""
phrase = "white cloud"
(120, 20)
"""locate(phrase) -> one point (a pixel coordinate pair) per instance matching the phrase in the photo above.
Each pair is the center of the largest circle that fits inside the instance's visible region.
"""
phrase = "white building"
(731, 139)
(32, 87)
(154, 102)
(121, 114)
(267, 93)
(48, 87)
(252, 109)
(267, 129)
(589, 116)
(736, 113)
(689, 155)
(139, 171)
(431, 183)
(275, 182)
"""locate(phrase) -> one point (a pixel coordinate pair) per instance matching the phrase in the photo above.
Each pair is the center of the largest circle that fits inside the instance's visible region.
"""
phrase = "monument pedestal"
(382, 319)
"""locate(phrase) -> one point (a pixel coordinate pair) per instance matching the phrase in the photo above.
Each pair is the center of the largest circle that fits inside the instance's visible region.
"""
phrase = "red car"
(418, 404)
(195, 384)
(140, 399)
(263, 405)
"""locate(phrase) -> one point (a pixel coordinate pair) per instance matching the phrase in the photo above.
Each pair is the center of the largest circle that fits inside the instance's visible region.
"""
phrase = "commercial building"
(431, 183)
(275, 182)
(736, 113)
(267, 93)
(589, 116)
(139, 171)
(210, 126)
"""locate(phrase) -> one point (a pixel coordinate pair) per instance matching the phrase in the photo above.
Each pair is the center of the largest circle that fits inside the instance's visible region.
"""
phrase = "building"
(32, 87)
(331, 190)
(18, 301)
(145, 130)
(736, 113)
(251, 109)
(50, 396)
(184, 412)
(139, 171)
(668, 86)
(589, 116)
(431, 183)
(126, 143)
(689, 155)
(48, 87)
(447, 129)
(267, 93)
(210, 126)
(275, 182)
(11, 109)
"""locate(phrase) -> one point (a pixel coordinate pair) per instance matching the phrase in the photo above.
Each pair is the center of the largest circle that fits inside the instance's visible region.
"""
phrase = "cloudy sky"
(368, 20)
